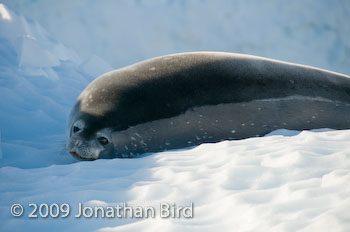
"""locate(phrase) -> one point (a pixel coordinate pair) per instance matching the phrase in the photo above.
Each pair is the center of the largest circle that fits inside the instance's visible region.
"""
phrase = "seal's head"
(88, 146)
(89, 130)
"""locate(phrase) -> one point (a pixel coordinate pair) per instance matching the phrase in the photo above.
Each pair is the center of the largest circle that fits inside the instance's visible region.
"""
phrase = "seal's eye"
(77, 126)
(102, 140)
(75, 129)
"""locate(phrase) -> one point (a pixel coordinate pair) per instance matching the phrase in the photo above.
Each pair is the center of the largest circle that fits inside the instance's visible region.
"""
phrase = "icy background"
(312, 32)
(49, 52)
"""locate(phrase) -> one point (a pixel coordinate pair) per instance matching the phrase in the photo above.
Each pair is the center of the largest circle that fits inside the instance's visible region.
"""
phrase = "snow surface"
(285, 181)
(275, 183)
(311, 32)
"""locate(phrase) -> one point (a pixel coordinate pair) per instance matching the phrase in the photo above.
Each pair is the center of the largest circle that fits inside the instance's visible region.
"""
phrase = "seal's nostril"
(75, 129)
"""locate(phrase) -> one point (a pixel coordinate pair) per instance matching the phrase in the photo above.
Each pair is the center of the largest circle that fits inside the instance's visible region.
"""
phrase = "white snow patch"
(4, 12)
(274, 183)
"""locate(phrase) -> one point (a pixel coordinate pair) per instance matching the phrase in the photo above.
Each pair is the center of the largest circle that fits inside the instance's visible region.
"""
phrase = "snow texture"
(49, 52)
(312, 32)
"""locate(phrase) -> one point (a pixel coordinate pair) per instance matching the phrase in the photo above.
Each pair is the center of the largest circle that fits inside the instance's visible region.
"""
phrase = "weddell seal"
(186, 99)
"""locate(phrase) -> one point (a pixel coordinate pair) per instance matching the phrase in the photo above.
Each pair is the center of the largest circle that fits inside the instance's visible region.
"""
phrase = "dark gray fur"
(186, 99)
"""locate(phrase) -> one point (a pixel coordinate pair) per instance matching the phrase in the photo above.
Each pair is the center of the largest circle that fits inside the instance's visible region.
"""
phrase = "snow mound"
(40, 79)
(275, 183)
(310, 32)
